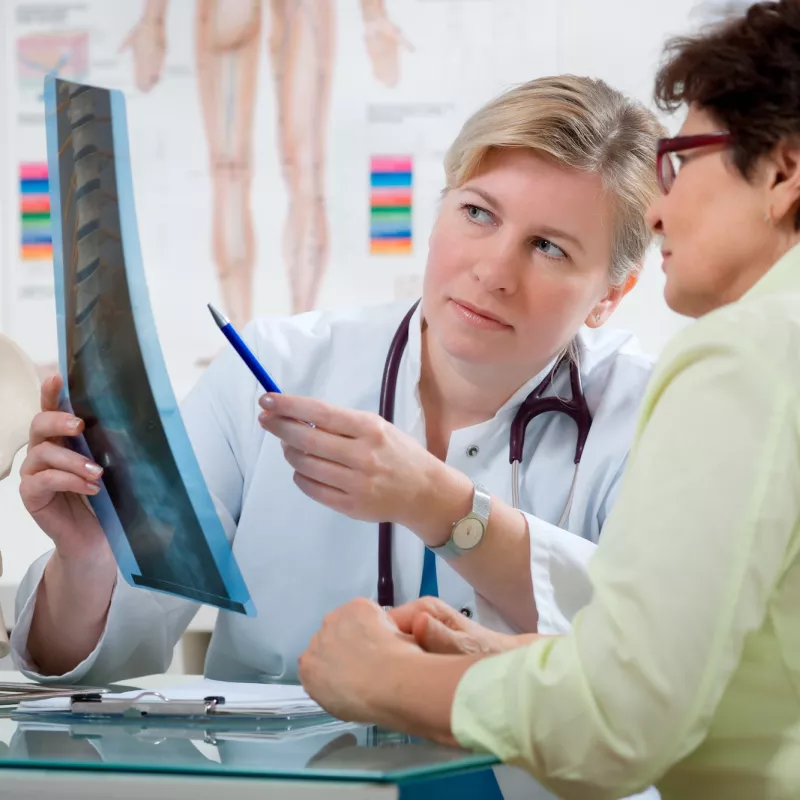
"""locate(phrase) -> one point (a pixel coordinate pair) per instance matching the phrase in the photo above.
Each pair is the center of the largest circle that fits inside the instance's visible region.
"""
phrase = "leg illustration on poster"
(302, 53)
(302, 45)
(227, 47)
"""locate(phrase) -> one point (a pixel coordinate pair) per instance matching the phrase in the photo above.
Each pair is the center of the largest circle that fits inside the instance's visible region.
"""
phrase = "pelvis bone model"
(19, 402)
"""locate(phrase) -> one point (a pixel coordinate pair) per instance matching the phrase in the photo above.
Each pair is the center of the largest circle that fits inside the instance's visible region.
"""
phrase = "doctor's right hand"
(56, 482)
(439, 628)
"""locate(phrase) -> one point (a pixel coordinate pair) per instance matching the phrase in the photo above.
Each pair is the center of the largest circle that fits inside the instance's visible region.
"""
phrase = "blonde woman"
(540, 231)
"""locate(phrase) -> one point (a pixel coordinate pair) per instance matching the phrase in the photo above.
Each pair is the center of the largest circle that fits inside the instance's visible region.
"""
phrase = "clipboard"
(200, 699)
(149, 703)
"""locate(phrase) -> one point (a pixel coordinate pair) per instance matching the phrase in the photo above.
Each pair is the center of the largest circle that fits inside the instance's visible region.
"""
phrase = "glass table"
(47, 756)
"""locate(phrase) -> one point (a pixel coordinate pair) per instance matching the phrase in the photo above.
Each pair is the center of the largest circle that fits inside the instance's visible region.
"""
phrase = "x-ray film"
(153, 505)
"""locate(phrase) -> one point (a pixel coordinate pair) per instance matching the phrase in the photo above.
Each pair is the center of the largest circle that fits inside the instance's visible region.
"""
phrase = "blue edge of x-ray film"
(154, 364)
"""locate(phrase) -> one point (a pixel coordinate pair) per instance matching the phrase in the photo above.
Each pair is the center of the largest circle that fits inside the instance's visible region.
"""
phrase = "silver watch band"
(481, 503)
(448, 551)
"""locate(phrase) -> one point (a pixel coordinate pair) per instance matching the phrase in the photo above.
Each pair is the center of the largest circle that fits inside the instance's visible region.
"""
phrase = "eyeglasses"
(668, 163)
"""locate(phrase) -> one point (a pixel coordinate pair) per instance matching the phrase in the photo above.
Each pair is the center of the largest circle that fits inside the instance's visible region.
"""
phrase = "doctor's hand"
(360, 465)
(342, 665)
(438, 628)
(56, 482)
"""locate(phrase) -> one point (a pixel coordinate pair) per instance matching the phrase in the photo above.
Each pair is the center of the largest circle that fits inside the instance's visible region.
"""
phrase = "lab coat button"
(467, 612)
(473, 450)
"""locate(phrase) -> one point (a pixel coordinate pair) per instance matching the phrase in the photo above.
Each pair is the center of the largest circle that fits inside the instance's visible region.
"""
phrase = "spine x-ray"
(154, 505)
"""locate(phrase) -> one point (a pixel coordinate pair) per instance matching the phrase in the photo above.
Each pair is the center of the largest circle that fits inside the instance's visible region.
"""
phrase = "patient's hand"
(438, 628)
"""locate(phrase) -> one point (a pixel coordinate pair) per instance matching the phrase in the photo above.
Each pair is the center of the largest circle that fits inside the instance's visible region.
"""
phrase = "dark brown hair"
(745, 72)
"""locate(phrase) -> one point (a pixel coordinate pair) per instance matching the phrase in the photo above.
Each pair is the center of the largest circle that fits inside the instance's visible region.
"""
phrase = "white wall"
(618, 40)
(621, 42)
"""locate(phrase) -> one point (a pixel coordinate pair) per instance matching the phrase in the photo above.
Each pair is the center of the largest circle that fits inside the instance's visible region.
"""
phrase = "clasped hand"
(350, 665)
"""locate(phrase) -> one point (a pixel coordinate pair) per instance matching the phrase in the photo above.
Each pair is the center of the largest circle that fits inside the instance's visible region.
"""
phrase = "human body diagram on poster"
(302, 49)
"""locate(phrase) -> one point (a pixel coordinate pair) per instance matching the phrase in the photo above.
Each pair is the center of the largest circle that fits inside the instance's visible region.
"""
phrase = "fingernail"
(92, 488)
(266, 402)
(94, 469)
(262, 418)
(73, 423)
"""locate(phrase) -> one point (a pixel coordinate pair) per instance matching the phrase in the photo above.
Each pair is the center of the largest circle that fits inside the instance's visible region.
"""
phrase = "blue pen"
(243, 350)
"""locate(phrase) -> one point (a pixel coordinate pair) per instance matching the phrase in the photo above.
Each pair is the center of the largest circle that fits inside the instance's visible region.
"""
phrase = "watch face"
(468, 533)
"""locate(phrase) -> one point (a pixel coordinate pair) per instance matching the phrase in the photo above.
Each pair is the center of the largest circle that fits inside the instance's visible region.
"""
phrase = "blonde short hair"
(582, 123)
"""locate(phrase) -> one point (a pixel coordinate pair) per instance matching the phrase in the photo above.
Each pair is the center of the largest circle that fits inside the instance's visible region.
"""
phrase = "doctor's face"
(519, 258)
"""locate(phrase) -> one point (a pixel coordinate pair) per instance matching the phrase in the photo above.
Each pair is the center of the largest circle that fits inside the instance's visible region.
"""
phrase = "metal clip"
(138, 706)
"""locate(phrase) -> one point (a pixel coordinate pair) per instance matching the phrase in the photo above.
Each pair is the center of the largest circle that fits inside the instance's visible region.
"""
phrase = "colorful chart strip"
(390, 182)
(34, 208)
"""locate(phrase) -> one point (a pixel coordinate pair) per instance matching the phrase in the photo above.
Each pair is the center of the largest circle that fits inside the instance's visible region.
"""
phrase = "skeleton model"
(19, 402)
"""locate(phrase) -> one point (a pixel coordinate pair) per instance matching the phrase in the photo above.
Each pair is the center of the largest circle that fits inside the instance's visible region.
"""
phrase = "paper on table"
(273, 698)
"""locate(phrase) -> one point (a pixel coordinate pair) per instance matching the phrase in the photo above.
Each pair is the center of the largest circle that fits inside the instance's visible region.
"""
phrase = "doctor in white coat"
(539, 234)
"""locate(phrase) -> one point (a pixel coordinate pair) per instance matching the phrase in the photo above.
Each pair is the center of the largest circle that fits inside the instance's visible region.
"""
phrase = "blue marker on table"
(262, 376)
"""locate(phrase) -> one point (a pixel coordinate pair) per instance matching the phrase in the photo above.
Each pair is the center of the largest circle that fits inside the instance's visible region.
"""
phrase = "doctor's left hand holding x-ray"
(533, 248)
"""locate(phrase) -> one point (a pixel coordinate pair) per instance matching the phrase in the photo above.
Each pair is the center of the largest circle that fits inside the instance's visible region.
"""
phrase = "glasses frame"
(679, 144)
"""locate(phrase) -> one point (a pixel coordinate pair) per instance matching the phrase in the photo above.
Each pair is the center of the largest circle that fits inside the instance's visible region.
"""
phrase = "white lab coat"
(299, 559)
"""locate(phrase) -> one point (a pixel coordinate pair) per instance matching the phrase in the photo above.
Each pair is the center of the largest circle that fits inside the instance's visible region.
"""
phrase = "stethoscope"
(534, 405)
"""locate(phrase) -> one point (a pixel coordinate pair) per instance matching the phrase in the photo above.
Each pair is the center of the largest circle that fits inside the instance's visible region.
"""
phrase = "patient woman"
(684, 669)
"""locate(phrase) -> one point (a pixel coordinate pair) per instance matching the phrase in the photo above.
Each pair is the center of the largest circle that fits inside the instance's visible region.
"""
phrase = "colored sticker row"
(390, 183)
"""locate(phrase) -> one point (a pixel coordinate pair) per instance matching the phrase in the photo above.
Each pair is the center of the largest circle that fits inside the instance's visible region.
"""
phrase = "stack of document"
(249, 699)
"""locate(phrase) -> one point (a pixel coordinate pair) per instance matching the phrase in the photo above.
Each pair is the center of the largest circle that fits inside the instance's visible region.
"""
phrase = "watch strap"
(481, 503)
(448, 551)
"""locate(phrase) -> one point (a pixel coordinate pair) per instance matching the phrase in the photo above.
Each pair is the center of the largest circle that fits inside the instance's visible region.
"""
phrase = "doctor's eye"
(476, 214)
(548, 249)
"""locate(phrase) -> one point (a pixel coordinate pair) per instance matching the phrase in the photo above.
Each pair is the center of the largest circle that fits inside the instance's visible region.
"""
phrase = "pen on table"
(262, 376)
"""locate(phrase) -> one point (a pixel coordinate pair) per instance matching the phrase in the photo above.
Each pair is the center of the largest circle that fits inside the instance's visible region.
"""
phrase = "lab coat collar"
(414, 350)
(782, 276)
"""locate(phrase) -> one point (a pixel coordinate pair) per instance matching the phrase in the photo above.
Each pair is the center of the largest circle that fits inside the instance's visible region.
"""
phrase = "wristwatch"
(468, 532)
